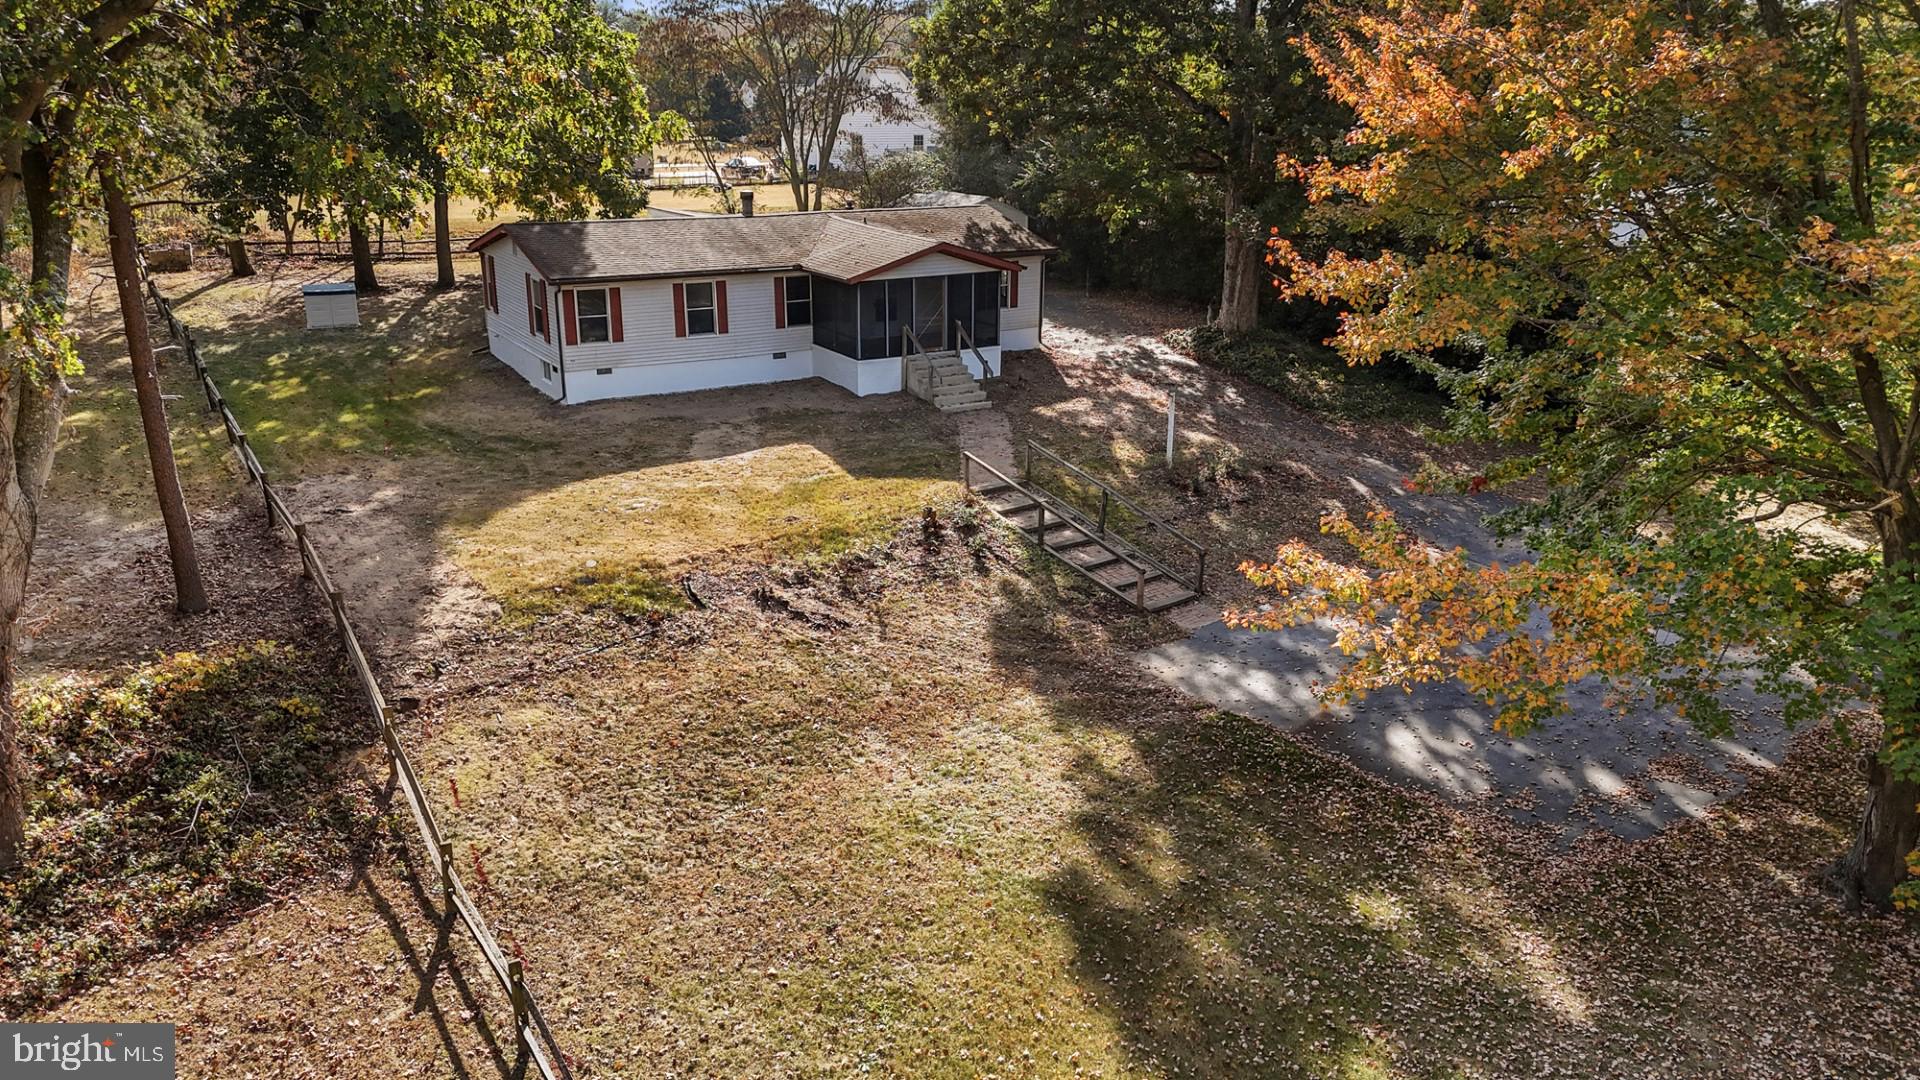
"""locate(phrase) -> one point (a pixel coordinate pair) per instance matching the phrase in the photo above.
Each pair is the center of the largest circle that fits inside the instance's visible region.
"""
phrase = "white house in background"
(909, 127)
(586, 310)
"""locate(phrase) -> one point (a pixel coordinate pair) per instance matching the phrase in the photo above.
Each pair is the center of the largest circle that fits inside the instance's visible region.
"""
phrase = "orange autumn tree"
(1672, 249)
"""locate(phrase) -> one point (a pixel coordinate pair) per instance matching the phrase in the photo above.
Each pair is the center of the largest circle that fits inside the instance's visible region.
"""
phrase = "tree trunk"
(363, 276)
(826, 156)
(32, 399)
(1250, 169)
(1890, 823)
(1889, 830)
(442, 236)
(237, 255)
(796, 171)
(190, 593)
(1240, 275)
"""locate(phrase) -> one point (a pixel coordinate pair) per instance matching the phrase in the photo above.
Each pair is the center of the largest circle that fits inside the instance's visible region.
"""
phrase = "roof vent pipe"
(746, 204)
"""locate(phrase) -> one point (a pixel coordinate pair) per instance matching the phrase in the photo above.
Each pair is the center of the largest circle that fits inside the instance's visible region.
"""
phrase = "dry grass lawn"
(883, 806)
(543, 507)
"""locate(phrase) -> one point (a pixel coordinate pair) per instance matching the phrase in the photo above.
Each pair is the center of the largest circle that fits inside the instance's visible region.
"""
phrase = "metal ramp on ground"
(1090, 541)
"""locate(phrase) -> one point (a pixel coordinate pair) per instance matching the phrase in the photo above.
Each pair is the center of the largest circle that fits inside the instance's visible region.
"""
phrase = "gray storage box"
(331, 305)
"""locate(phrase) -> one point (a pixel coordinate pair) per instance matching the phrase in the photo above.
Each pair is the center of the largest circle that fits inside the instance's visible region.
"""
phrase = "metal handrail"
(1107, 492)
(1067, 513)
(962, 338)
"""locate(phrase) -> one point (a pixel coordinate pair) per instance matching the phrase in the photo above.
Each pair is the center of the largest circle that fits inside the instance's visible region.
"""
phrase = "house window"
(591, 312)
(919, 142)
(800, 301)
(1006, 288)
(540, 310)
(546, 371)
(702, 315)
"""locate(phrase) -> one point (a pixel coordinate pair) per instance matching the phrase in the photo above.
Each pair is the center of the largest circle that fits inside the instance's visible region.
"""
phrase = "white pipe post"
(1169, 429)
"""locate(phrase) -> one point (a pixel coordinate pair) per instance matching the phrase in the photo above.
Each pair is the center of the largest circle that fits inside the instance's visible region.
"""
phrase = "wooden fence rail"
(535, 1037)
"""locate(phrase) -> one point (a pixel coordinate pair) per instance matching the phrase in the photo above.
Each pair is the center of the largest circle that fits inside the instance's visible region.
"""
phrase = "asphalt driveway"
(1594, 770)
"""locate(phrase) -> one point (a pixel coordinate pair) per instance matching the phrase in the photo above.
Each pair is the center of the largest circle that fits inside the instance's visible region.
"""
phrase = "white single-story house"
(587, 310)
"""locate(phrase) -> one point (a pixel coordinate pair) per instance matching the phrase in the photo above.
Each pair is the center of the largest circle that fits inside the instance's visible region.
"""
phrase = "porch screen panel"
(880, 315)
(959, 307)
(835, 318)
(986, 308)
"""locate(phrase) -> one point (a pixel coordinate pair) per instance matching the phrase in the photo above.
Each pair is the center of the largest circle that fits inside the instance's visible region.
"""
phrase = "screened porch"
(870, 320)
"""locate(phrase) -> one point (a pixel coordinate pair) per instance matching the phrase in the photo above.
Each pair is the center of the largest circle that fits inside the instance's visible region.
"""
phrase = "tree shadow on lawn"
(440, 959)
(409, 451)
(1253, 907)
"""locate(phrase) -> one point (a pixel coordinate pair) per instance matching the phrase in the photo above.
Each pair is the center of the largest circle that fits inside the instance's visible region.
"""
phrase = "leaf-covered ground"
(912, 815)
(911, 811)
(193, 787)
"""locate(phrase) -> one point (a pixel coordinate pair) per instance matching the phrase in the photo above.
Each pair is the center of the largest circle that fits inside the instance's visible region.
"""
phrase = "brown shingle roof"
(844, 244)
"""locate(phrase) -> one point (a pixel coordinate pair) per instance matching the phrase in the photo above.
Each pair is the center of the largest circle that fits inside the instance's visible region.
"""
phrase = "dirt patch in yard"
(376, 532)
(99, 596)
(1251, 471)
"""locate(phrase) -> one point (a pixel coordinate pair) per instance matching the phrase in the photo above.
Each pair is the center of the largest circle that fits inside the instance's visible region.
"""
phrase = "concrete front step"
(971, 406)
(966, 397)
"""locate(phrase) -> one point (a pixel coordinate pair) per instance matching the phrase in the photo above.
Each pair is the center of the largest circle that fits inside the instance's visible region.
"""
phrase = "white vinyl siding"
(507, 336)
(646, 316)
(879, 136)
(928, 265)
(651, 360)
(1020, 324)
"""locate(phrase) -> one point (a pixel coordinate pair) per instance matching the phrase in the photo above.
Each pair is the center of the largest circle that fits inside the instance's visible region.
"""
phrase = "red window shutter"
(1013, 289)
(779, 303)
(493, 284)
(532, 326)
(613, 314)
(486, 284)
(720, 305)
(573, 317)
(547, 309)
(679, 310)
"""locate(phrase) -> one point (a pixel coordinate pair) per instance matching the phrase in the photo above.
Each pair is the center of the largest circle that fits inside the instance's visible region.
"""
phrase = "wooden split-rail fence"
(1107, 543)
(530, 1026)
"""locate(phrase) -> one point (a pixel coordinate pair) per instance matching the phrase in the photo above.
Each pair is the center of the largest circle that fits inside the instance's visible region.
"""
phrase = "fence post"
(517, 989)
(1103, 511)
(446, 873)
(1139, 586)
(966, 471)
(1040, 525)
(1200, 577)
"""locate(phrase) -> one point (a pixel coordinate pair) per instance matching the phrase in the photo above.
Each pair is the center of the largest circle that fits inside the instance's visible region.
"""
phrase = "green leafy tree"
(370, 108)
(57, 59)
(1684, 243)
(1136, 102)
